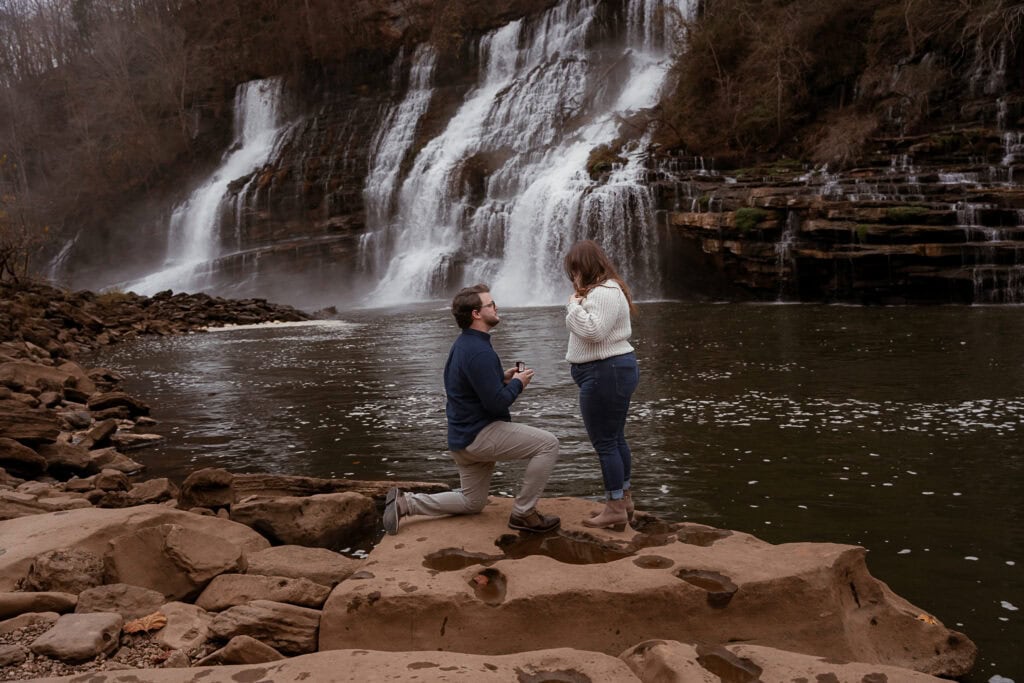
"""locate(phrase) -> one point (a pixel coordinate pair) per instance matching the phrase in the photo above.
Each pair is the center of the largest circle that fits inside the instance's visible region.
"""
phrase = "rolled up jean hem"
(617, 494)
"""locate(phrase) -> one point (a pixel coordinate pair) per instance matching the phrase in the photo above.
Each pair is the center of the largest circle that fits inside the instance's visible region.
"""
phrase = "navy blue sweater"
(475, 386)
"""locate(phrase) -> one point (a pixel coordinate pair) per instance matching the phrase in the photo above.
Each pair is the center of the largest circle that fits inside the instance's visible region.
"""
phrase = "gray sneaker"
(391, 511)
(533, 521)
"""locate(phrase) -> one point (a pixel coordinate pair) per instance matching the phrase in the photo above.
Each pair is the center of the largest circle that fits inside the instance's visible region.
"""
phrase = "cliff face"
(926, 208)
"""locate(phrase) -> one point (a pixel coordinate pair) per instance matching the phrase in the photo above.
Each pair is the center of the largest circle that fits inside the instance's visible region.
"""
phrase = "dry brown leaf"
(150, 622)
(928, 619)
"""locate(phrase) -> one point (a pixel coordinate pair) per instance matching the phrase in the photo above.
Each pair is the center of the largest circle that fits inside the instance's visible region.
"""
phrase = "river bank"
(718, 577)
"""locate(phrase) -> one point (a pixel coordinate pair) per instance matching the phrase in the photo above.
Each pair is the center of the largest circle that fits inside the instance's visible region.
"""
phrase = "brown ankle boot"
(612, 517)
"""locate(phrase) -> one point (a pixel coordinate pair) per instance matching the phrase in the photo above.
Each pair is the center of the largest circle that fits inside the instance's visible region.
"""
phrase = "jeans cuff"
(617, 494)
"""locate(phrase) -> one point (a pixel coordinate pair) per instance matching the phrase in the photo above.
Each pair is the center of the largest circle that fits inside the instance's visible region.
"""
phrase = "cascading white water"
(193, 235)
(501, 193)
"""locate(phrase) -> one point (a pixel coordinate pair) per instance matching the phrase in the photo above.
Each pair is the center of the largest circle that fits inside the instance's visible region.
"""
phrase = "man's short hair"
(467, 301)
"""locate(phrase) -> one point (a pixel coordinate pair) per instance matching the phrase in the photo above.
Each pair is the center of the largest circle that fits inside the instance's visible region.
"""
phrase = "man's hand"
(525, 376)
(508, 374)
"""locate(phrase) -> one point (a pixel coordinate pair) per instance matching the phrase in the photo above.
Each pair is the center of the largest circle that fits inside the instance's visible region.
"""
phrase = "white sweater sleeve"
(599, 326)
(593, 318)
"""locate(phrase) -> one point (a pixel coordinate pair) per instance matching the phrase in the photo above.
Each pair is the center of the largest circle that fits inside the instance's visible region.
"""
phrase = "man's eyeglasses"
(490, 305)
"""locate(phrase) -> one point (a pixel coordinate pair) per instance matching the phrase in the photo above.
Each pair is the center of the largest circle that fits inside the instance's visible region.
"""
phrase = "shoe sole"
(533, 529)
(390, 517)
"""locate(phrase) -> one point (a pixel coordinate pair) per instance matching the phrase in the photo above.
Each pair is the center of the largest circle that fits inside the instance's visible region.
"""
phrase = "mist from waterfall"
(194, 231)
(504, 189)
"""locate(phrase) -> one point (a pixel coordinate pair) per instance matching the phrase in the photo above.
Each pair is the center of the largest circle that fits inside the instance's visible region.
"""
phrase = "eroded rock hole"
(489, 586)
(719, 587)
(454, 559)
(703, 536)
(653, 562)
(561, 676)
(563, 546)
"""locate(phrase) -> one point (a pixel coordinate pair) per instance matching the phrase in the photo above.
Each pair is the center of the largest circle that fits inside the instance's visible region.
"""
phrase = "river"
(898, 429)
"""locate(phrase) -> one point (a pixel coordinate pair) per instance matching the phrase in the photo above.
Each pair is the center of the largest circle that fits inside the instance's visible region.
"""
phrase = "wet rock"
(287, 628)
(131, 602)
(153, 491)
(319, 565)
(69, 570)
(13, 604)
(112, 480)
(112, 459)
(117, 399)
(99, 435)
(64, 460)
(171, 559)
(129, 441)
(77, 637)
(210, 487)
(187, 626)
(330, 520)
(241, 650)
(228, 590)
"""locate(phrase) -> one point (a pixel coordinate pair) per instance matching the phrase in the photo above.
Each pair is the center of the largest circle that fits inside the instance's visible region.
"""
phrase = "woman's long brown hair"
(588, 266)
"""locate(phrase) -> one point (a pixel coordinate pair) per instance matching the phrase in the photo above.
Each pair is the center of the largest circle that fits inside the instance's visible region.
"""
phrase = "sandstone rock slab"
(241, 650)
(359, 666)
(472, 587)
(78, 637)
(171, 559)
(287, 628)
(187, 626)
(131, 602)
(210, 487)
(319, 565)
(327, 520)
(23, 539)
(13, 603)
(228, 590)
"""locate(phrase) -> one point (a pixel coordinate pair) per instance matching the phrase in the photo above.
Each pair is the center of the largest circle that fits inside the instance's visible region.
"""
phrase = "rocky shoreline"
(103, 570)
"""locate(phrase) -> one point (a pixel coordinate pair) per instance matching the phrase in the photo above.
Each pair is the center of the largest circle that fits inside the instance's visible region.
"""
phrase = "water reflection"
(896, 428)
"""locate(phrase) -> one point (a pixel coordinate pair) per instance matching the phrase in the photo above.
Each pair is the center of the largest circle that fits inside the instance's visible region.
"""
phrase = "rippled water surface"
(899, 429)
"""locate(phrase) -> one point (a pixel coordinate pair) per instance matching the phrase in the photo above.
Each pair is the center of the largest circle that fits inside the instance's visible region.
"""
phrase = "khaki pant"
(496, 442)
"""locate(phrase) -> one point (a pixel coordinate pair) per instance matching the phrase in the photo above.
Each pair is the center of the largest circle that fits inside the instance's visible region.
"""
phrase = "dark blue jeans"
(606, 387)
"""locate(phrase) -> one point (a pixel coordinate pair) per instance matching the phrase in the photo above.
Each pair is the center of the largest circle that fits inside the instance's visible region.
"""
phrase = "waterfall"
(193, 234)
(504, 189)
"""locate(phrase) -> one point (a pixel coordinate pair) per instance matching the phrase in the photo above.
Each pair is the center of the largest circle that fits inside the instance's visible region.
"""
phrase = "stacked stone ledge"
(238, 576)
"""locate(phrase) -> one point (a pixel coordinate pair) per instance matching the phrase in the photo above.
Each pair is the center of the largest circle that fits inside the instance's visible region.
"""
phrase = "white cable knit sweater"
(598, 326)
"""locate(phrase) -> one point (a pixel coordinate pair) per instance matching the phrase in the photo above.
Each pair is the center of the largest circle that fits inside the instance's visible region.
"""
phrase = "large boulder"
(483, 593)
(65, 460)
(19, 375)
(329, 520)
(319, 565)
(22, 540)
(171, 559)
(287, 628)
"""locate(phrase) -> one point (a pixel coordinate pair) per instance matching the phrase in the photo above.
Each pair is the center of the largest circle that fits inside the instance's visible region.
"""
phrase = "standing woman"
(604, 368)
